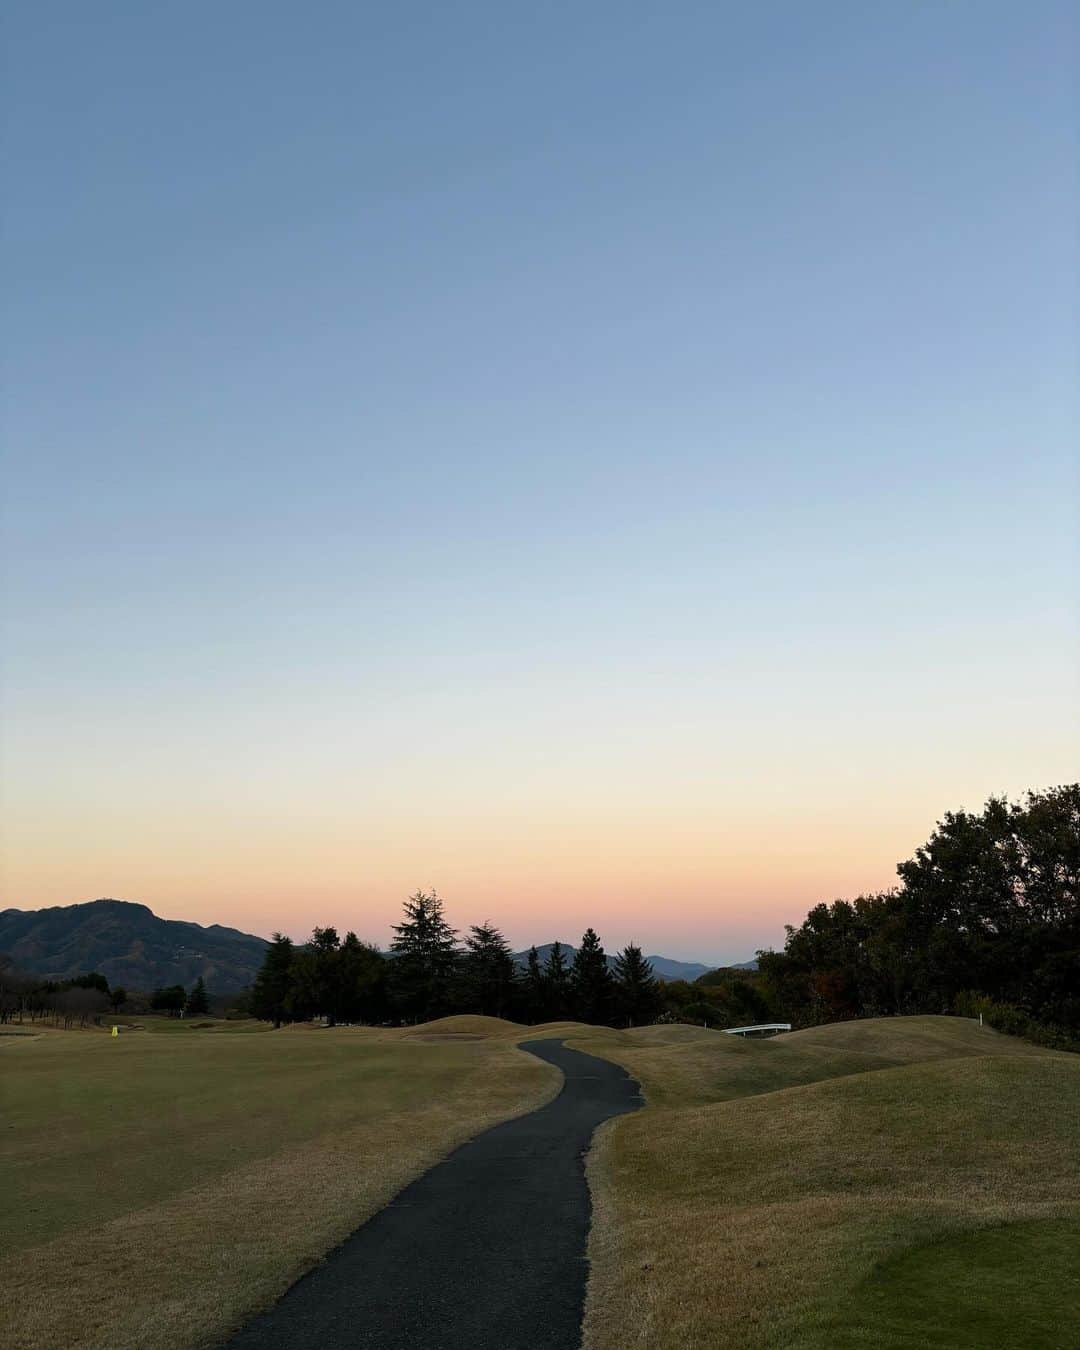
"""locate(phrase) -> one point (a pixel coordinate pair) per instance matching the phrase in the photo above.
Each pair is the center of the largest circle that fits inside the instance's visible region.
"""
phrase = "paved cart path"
(484, 1252)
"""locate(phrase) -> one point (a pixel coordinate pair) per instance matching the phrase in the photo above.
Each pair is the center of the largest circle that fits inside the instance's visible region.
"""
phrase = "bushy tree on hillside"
(426, 958)
(637, 998)
(590, 981)
(272, 990)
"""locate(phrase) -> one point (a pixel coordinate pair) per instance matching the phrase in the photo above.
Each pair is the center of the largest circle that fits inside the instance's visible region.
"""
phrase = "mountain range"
(131, 946)
(664, 967)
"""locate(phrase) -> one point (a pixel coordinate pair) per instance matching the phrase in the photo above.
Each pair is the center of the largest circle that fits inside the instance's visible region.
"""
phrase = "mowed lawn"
(159, 1188)
(864, 1186)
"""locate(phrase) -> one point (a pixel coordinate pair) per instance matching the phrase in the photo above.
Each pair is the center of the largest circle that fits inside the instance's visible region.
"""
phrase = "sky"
(615, 464)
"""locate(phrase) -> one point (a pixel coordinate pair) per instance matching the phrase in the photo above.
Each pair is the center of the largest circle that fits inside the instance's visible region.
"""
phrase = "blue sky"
(436, 424)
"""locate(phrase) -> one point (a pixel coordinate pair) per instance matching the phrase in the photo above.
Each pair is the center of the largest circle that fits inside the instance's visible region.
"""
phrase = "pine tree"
(273, 984)
(590, 981)
(198, 1005)
(488, 970)
(427, 952)
(637, 992)
(556, 985)
(535, 988)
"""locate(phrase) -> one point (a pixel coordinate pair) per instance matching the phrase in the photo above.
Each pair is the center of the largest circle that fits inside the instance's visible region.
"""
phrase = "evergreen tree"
(488, 970)
(638, 1001)
(590, 981)
(362, 977)
(427, 955)
(557, 993)
(198, 1005)
(270, 994)
(534, 992)
(315, 987)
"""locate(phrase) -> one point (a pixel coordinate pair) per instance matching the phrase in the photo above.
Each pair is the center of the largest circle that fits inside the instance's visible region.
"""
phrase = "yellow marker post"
(116, 1031)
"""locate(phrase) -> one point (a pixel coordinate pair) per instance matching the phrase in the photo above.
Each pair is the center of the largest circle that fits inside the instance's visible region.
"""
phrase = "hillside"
(863, 1186)
(130, 945)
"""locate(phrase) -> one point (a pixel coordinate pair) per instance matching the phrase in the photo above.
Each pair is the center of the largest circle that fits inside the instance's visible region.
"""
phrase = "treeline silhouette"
(86, 998)
(428, 973)
(986, 919)
(81, 1000)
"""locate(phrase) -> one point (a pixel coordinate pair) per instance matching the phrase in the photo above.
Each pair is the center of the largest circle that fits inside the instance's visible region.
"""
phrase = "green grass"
(994, 1289)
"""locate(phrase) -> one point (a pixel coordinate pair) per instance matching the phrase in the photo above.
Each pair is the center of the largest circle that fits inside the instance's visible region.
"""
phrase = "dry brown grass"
(161, 1189)
(741, 1218)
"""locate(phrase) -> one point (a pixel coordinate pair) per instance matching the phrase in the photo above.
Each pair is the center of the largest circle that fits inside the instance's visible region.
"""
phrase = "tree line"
(986, 918)
(429, 973)
(80, 1000)
(85, 998)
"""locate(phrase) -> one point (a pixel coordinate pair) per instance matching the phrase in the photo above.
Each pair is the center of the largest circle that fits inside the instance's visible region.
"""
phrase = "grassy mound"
(752, 1202)
(682, 1066)
(473, 1027)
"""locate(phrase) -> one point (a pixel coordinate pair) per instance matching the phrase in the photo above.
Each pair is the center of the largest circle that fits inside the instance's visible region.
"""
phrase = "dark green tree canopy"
(198, 1004)
(427, 955)
(989, 905)
(488, 970)
(171, 999)
(638, 1000)
(271, 992)
(556, 985)
(590, 981)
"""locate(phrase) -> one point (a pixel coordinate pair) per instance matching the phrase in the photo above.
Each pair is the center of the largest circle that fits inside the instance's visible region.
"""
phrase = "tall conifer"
(590, 981)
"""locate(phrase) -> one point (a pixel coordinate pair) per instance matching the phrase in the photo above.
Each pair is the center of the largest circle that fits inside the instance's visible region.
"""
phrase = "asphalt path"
(484, 1252)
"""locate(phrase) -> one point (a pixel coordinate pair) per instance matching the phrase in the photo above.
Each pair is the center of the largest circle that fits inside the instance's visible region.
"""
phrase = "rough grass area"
(817, 1190)
(159, 1188)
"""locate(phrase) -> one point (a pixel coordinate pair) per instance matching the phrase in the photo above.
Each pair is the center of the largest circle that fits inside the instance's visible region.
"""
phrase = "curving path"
(484, 1252)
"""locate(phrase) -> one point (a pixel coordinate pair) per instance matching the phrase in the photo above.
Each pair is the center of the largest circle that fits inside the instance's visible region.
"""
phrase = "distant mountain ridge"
(664, 967)
(130, 945)
(133, 947)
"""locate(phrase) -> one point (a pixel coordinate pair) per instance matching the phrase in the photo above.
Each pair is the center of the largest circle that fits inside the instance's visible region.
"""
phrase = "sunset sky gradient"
(613, 464)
